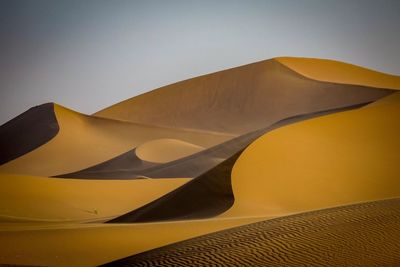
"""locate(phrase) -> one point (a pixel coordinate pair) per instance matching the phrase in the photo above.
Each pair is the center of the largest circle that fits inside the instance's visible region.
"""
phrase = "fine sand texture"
(42, 199)
(238, 100)
(364, 234)
(96, 244)
(283, 162)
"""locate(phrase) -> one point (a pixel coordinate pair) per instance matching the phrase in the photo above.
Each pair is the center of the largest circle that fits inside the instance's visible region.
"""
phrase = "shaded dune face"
(364, 234)
(269, 145)
(85, 141)
(238, 100)
(221, 105)
(27, 132)
(205, 196)
(209, 194)
(124, 166)
(327, 161)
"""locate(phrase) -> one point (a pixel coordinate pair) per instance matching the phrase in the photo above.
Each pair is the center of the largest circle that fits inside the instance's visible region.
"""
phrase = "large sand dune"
(95, 140)
(213, 189)
(365, 234)
(265, 144)
(327, 161)
(238, 100)
(42, 199)
(28, 131)
(95, 244)
(340, 72)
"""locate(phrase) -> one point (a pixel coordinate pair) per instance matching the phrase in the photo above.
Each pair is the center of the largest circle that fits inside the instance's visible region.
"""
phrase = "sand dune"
(358, 235)
(125, 166)
(95, 140)
(35, 199)
(332, 160)
(213, 189)
(28, 131)
(340, 72)
(238, 100)
(166, 150)
(276, 138)
(95, 244)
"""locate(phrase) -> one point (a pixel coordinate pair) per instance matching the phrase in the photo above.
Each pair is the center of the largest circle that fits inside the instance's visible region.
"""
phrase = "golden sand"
(337, 159)
(29, 198)
(84, 141)
(166, 150)
(340, 72)
(94, 244)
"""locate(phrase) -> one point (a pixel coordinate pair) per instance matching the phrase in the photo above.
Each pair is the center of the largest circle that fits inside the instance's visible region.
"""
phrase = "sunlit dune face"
(339, 72)
(166, 150)
(328, 161)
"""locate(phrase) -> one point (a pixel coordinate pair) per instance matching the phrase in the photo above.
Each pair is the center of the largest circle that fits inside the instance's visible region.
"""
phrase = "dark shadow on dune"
(125, 166)
(210, 193)
(28, 131)
(365, 234)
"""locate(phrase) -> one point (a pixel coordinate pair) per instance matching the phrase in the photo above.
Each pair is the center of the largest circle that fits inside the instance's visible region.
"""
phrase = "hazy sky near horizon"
(87, 55)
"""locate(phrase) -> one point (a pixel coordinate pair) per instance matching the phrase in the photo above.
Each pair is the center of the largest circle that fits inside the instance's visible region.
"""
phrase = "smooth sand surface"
(322, 162)
(333, 160)
(84, 141)
(212, 189)
(166, 150)
(238, 100)
(27, 131)
(35, 199)
(95, 244)
(340, 72)
(365, 234)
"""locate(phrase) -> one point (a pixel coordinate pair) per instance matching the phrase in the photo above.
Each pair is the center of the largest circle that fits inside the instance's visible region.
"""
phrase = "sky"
(88, 55)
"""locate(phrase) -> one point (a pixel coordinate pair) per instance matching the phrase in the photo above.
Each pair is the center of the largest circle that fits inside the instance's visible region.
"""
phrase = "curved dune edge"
(35, 199)
(328, 161)
(365, 234)
(95, 244)
(28, 131)
(95, 140)
(340, 72)
(128, 165)
(166, 150)
(238, 100)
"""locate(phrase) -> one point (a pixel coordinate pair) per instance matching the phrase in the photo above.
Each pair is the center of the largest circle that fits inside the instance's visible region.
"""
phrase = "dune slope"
(332, 160)
(27, 132)
(208, 194)
(340, 72)
(238, 100)
(95, 140)
(42, 199)
(364, 234)
(166, 150)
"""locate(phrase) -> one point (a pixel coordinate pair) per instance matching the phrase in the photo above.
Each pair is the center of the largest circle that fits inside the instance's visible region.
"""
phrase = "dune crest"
(95, 140)
(333, 160)
(340, 72)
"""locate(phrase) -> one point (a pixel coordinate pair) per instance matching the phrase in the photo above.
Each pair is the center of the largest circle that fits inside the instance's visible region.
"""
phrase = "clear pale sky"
(87, 55)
